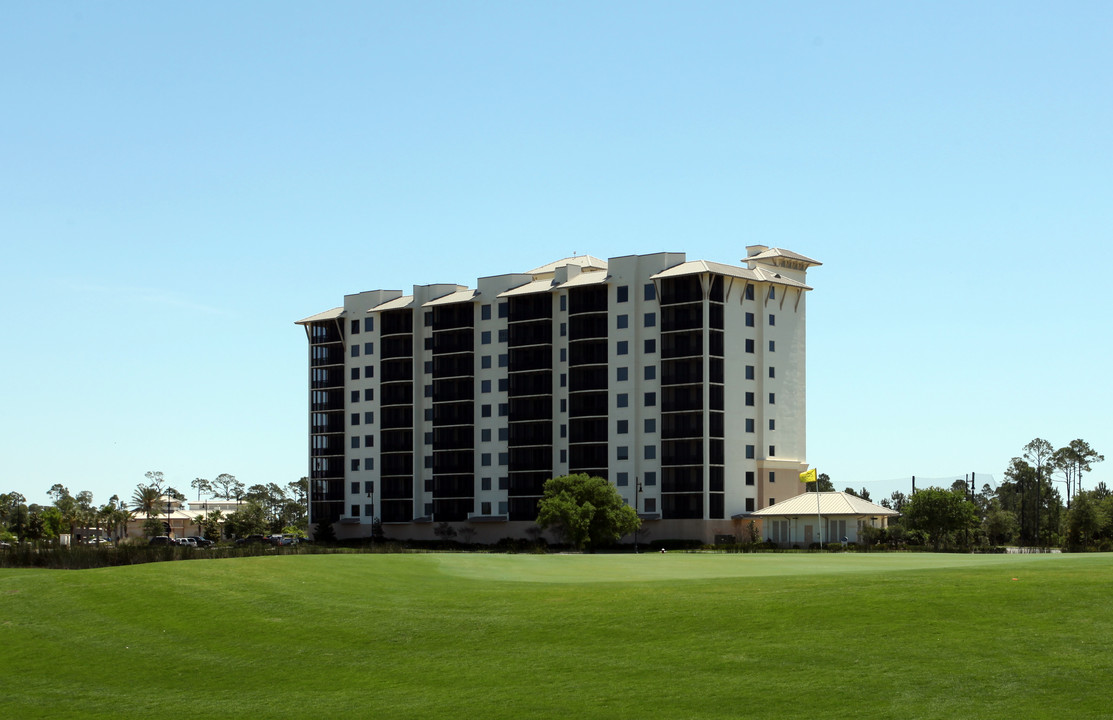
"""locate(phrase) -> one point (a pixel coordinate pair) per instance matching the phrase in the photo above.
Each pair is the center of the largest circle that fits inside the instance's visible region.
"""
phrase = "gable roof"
(830, 503)
(584, 261)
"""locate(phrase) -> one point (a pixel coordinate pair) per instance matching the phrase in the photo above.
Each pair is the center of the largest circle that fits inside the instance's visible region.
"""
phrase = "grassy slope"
(489, 636)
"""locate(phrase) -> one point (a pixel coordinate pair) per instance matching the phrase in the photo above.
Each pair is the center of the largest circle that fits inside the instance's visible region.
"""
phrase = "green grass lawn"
(535, 636)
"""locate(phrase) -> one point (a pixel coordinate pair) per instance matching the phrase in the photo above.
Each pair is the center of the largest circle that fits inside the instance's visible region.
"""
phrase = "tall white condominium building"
(681, 382)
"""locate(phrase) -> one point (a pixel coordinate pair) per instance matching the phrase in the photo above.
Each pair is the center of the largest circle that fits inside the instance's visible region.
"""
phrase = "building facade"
(681, 382)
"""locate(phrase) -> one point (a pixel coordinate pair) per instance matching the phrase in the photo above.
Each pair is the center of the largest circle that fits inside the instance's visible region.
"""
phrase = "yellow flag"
(808, 477)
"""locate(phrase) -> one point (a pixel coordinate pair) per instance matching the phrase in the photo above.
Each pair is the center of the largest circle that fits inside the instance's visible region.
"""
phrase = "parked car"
(200, 541)
(187, 542)
(161, 540)
(253, 540)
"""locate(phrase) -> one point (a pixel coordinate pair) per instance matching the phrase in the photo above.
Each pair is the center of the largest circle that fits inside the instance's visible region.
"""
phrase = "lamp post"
(637, 495)
(168, 531)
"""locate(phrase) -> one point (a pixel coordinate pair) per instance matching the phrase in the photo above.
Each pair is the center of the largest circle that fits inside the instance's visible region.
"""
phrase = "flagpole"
(818, 515)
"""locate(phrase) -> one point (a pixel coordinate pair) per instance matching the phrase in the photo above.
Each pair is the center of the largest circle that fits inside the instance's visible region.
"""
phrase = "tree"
(1084, 456)
(251, 519)
(209, 523)
(444, 531)
(586, 510)
(939, 513)
(201, 485)
(1083, 522)
(1038, 452)
(145, 498)
(155, 479)
(822, 484)
(227, 487)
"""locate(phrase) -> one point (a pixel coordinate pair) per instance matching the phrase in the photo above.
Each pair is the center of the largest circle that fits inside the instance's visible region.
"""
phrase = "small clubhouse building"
(839, 515)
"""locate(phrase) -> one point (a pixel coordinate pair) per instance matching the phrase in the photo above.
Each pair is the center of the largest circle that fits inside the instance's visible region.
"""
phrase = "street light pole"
(637, 495)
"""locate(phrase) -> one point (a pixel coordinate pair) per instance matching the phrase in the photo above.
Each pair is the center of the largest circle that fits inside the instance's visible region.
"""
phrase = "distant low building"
(798, 520)
(181, 515)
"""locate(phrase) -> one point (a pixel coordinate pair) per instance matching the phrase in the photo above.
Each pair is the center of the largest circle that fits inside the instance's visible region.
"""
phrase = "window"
(622, 293)
(563, 456)
(369, 463)
(484, 508)
(428, 318)
(564, 354)
(749, 319)
(623, 452)
(772, 476)
(563, 405)
(485, 362)
(355, 373)
(564, 431)
(749, 292)
(623, 427)
(504, 309)
(772, 372)
(429, 462)
(749, 372)
(650, 399)
(485, 411)
(650, 346)
(749, 504)
(485, 483)
(368, 509)
(749, 452)
(504, 409)
(650, 478)
(650, 452)
(622, 373)
(749, 345)
(369, 394)
(650, 372)
(772, 292)
(504, 335)
(650, 425)
(369, 486)
(623, 347)
(563, 303)
(484, 312)
(504, 507)
(429, 414)
(428, 438)
(428, 343)
(355, 441)
(650, 292)
(772, 345)
(485, 337)
(563, 380)
(428, 509)
(749, 477)
(772, 319)
(750, 399)
(623, 479)
(749, 425)
(355, 511)
(504, 459)
(428, 367)
(428, 390)
(650, 505)
(772, 424)
(504, 484)
(772, 501)
(368, 441)
(355, 418)
(369, 371)
(563, 329)
(651, 319)
(369, 348)
(485, 435)
(623, 400)
(484, 386)
(485, 459)
(355, 396)
(504, 434)
(355, 327)
(772, 398)
(504, 360)
(772, 451)
(623, 321)
(355, 466)
(369, 324)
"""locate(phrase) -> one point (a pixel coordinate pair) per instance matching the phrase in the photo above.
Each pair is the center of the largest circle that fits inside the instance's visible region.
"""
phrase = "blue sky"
(181, 182)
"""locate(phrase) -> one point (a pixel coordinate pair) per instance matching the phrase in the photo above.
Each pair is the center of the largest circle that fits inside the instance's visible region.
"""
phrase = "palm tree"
(146, 499)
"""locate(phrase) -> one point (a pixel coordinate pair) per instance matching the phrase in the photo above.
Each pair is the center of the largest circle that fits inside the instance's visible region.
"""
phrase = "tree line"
(265, 508)
(1026, 509)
